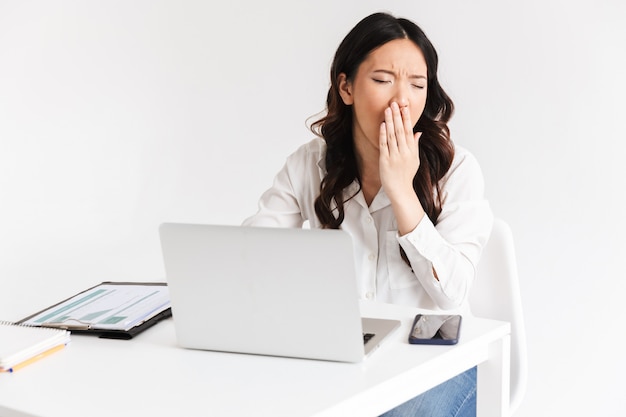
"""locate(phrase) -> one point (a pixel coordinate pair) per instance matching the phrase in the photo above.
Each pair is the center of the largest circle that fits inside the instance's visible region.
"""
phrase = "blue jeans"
(453, 398)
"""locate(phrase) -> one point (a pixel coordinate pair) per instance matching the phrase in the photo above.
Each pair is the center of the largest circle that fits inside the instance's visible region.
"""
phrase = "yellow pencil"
(34, 359)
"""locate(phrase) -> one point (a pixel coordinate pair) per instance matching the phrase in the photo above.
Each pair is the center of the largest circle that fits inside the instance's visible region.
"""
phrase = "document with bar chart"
(109, 309)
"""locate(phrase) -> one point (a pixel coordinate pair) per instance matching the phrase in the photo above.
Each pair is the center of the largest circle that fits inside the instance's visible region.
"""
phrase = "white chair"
(495, 295)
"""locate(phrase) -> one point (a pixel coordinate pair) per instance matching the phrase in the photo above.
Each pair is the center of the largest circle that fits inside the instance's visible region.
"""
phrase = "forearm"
(444, 261)
(443, 270)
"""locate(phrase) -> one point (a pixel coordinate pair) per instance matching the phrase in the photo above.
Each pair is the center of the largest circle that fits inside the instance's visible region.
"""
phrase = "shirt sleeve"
(289, 201)
(453, 247)
(278, 206)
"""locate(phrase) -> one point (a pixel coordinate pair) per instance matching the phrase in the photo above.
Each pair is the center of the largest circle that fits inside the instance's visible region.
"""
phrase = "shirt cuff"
(424, 238)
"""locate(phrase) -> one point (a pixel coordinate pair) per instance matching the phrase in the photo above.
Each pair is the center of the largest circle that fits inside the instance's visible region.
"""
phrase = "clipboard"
(112, 310)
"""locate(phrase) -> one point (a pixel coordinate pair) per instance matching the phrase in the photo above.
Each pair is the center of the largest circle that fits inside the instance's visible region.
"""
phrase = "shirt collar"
(380, 200)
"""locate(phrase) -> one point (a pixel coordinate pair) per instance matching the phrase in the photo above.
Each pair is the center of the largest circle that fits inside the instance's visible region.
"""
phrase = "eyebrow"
(384, 71)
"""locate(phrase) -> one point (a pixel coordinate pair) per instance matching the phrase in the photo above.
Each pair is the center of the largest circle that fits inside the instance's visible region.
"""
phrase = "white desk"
(151, 376)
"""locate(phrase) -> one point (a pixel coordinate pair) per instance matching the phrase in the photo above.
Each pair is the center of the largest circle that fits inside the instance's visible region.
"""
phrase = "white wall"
(118, 115)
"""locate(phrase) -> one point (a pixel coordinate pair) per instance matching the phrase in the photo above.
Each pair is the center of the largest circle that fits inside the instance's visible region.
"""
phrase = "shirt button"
(369, 295)
(371, 257)
(368, 219)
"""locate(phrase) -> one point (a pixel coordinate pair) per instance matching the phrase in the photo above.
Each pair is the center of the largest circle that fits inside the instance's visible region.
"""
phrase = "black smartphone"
(435, 329)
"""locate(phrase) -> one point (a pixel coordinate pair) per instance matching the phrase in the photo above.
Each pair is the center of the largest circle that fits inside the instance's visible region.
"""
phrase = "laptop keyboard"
(367, 337)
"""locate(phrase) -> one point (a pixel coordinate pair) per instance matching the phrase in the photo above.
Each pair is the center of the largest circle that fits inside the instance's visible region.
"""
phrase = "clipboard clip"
(80, 325)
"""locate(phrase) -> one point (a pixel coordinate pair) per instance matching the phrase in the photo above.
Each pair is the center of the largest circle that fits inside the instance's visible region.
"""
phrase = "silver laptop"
(267, 291)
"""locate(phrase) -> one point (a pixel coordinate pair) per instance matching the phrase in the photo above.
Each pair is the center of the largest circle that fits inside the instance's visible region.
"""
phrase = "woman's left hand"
(399, 151)
(399, 162)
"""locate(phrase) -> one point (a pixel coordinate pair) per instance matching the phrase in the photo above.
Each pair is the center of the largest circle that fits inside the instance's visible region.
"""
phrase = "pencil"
(34, 358)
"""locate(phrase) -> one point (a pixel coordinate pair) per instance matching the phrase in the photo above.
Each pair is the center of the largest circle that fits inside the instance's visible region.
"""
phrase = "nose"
(400, 96)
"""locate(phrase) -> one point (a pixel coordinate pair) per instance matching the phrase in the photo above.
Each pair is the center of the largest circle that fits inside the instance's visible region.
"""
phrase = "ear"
(345, 89)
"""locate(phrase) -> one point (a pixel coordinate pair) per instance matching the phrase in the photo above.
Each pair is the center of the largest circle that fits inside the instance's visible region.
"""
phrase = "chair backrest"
(495, 294)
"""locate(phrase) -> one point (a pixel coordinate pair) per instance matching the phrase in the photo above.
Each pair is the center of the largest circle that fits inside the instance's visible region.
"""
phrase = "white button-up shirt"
(452, 247)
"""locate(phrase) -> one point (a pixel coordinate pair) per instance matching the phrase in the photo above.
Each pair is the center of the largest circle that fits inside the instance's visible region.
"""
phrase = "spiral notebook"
(21, 345)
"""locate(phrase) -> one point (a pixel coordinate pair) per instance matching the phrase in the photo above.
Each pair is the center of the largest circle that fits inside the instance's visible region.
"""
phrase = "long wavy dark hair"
(436, 151)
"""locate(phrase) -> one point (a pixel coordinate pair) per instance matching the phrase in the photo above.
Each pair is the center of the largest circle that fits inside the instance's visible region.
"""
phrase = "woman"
(384, 170)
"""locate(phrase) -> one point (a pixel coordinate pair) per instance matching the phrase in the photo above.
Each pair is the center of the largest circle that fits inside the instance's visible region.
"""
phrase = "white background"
(118, 115)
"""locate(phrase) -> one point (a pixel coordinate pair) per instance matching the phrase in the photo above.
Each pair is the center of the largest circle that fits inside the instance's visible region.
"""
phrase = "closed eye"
(381, 81)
